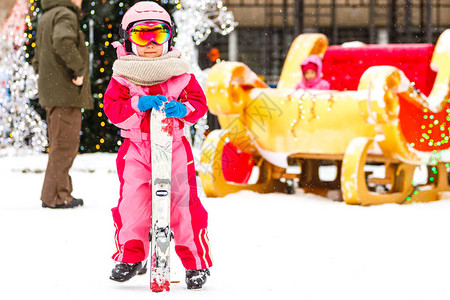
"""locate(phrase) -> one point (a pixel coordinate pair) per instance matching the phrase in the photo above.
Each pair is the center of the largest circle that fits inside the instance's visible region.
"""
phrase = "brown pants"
(64, 126)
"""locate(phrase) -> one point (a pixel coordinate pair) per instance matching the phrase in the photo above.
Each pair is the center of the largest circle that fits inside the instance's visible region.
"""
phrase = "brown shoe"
(74, 203)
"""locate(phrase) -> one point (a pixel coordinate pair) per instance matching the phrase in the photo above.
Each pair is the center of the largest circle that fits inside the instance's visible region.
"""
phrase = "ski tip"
(156, 288)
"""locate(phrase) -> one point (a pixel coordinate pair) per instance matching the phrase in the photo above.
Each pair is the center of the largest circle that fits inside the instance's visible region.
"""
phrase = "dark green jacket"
(61, 54)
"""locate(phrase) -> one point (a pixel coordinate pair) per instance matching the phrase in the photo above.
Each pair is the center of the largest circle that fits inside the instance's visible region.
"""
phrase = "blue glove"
(148, 102)
(175, 109)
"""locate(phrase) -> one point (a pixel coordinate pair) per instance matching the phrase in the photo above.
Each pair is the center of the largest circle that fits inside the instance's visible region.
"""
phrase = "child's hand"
(148, 102)
(175, 109)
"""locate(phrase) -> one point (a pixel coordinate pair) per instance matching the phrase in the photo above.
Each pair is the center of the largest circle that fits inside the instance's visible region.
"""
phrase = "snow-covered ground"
(273, 246)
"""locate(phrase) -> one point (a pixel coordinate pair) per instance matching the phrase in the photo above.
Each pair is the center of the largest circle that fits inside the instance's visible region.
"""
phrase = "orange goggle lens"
(144, 34)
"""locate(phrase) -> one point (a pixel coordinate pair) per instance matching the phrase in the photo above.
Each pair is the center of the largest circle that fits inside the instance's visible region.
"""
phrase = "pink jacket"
(317, 83)
(121, 103)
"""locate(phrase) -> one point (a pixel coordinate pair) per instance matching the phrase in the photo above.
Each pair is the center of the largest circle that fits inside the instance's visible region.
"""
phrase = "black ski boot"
(123, 271)
(195, 279)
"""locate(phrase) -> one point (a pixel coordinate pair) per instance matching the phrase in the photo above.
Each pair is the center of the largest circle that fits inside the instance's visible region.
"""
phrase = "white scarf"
(150, 71)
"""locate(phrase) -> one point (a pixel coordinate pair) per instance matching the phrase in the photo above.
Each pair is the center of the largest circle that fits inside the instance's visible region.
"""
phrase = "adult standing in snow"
(62, 62)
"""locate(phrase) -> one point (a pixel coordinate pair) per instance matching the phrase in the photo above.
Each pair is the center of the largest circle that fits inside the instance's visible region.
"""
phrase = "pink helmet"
(143, 11)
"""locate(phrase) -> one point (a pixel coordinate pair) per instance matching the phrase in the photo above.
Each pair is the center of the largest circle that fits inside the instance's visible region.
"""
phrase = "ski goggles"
(144, 34)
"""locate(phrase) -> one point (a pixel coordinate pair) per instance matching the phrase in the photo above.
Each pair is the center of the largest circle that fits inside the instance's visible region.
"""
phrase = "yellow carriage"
(374, 116)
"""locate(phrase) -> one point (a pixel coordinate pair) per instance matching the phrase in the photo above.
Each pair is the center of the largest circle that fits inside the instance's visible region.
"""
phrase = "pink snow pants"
(132, 216)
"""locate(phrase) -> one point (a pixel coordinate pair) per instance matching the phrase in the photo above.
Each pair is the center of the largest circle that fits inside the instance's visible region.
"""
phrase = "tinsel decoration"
(21, 127)
(195, 20)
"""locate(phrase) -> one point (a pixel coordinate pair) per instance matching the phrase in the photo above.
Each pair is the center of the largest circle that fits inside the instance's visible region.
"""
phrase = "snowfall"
(270, 246)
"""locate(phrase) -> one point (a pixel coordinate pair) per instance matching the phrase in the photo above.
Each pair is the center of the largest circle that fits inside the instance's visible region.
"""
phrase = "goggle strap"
(123, 33)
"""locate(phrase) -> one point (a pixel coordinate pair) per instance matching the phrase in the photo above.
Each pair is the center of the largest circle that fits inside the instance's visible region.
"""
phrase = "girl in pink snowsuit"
(149, 74)
(312, 74)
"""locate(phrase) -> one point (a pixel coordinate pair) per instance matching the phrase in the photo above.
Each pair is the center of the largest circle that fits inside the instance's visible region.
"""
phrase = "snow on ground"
(271, 246)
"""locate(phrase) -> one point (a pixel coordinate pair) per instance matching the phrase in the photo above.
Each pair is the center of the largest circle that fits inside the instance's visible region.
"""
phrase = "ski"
(161, 132)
